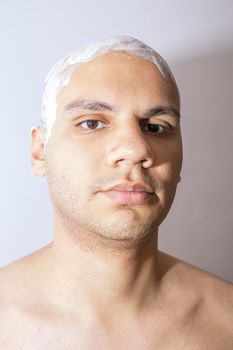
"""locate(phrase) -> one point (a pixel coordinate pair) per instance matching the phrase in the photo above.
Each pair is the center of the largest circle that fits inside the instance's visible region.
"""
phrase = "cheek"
(168, 170)
(74, 164)
(68, 180)
(168, 159)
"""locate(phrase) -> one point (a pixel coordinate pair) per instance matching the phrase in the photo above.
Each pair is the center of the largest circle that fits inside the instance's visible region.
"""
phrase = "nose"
(130, 145)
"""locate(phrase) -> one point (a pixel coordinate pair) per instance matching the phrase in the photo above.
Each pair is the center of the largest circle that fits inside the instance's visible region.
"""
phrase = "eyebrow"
(160, 110)
(90, 105)
(101, 106)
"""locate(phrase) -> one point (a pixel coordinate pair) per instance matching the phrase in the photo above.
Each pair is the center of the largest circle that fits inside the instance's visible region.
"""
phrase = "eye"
(92, 124)
(156, 129)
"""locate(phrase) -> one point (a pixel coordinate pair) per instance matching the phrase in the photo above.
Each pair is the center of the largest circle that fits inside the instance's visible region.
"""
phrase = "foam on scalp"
(60, 74)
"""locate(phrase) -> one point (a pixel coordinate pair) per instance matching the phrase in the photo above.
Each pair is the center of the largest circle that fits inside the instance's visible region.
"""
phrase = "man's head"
(116, 131)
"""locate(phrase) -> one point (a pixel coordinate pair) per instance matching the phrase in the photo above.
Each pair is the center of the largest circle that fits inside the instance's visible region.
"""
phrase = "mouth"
(130, 194)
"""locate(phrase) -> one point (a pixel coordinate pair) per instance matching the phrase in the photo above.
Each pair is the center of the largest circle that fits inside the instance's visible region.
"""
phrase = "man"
(111, 151)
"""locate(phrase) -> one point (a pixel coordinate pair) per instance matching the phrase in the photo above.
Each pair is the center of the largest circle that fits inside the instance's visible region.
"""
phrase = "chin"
(127, 227)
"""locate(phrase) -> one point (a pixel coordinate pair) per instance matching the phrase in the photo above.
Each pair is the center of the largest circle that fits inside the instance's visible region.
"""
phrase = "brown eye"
(92, 124)
(156, 129)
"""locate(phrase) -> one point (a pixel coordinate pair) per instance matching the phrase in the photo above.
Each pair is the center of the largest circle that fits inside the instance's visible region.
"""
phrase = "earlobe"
(38, 151)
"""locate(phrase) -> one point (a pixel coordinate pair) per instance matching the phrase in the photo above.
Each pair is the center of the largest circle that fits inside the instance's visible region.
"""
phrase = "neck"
(103, 279)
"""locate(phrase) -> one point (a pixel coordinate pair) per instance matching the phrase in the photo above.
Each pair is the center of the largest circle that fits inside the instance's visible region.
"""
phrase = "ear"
(38, 151)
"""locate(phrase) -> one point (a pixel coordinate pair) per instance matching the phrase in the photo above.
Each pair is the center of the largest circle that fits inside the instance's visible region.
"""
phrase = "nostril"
(147, 163)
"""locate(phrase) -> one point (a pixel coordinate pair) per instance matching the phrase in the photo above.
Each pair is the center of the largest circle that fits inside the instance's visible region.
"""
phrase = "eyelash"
(165, 130)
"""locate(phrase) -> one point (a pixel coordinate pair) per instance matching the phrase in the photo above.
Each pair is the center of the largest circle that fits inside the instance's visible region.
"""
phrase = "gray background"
(196, 38)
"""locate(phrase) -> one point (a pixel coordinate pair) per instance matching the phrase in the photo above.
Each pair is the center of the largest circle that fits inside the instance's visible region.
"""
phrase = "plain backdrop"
(196, 38)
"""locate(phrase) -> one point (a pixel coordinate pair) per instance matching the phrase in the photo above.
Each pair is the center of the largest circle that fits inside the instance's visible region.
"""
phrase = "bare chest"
(59, 335)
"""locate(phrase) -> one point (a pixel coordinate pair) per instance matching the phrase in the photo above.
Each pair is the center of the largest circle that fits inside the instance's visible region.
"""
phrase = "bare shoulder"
(194, 276)
(18, 279)
(212, 296)
(20, 291)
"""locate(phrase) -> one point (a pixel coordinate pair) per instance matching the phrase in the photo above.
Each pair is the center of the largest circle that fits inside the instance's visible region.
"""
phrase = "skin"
(102, 283)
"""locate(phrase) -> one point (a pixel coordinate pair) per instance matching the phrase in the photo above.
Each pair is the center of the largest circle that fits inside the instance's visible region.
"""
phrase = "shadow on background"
(199, 228)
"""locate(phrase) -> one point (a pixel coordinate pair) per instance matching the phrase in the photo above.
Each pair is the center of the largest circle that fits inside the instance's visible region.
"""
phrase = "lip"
(132, 187)
(130, 194)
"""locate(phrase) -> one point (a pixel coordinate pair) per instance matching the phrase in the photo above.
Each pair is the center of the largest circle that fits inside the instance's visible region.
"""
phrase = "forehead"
(119, 77)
